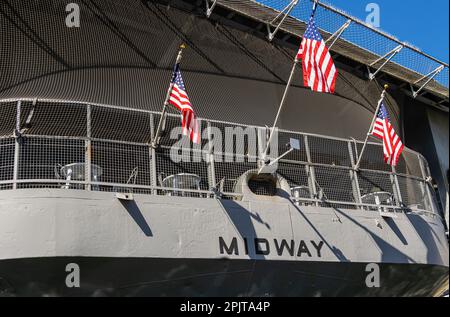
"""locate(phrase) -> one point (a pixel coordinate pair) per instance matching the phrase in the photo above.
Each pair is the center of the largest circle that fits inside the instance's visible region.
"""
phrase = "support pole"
(17, 144)
(383, 94)
(283, 100)
(286, 11)
(431, 76)
(154, 174)
(211, 158)
(280, 157)
(18, 115)
(88, 145)
(338, 33)
(27, 123)
(155, 142)
(391, 55)
(209, 9)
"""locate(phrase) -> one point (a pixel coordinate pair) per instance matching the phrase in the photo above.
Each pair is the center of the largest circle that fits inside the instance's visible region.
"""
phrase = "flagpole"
(155, 141)
(316, 3)
(383, 94)
(283, 100)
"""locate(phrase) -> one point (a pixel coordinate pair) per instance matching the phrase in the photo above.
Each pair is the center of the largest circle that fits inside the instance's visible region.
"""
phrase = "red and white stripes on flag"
(319, 71)
(392, 145)
(180, 99)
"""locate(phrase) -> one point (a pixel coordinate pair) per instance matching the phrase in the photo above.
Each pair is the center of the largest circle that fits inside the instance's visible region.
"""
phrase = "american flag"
(392, 145)
(319, 71)
(179, 99)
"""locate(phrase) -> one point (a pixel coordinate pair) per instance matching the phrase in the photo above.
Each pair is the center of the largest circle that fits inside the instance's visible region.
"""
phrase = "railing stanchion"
(210, 159)
(396, 185)
(426, 186)
(310, 170)
(354, 177)
(66, 148)
(153, 171)
(88, 145)
(17, 144)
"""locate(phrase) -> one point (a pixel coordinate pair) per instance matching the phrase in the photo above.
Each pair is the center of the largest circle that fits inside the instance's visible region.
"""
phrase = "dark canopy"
(123, 52)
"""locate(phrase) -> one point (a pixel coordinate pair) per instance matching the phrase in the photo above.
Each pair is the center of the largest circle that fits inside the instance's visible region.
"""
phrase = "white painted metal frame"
(209, 9)
(88, 147)
(336, 35)
(284, 14)
(309, 165)
(430, 77)
(17, 144)
(390, 55)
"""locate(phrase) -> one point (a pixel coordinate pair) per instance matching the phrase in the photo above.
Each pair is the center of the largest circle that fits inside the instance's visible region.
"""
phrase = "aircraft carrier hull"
(213, 277)
(181, 246)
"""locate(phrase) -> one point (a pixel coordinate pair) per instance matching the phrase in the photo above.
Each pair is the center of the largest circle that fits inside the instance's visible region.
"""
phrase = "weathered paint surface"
(58, 222)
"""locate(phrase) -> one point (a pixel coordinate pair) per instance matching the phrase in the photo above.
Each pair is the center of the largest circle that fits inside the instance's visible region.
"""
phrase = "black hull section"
(213, 277)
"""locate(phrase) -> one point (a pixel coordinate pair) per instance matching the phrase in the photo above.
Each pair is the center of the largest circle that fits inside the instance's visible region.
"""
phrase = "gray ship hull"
(177, 246)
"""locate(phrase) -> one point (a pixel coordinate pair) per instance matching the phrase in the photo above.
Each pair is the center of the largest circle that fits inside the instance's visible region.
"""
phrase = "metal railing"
(366, 36)
(359, 41)
(80, 146)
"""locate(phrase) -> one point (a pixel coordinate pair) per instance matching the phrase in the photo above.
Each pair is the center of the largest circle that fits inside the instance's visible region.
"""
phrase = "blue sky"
(423, 23)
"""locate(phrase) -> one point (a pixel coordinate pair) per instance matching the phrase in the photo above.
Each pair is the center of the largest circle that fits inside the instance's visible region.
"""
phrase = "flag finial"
(180, 53)
(386, 86)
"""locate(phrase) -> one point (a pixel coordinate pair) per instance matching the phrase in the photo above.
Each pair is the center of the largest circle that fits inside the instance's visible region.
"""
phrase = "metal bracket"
(387, 214)
(390, 55)
(283, 13)
(336, 35)
(293, 144)
(430, 77)
(209, 9)
(18, 115)
(27, 123)
(124, 196)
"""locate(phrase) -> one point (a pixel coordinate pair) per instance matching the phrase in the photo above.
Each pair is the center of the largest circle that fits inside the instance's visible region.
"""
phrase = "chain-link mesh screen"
(119, 124)
(372, 158)
(328, 151)
(297, 176)
(409, 164)
(227, 45)
(362, 36)
(121, 160)
(7, 118)
(376, 188)
(227, 174)
(123, 53)
(180, 169)
(284, 145)
(50, 159)
(334, 184)
(414, 193)
(171, 133)
(234, 139)
(121, 163)
(7, 147)
(371, 182)
(58, 119)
